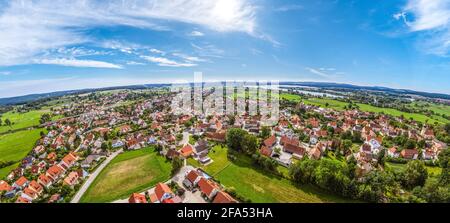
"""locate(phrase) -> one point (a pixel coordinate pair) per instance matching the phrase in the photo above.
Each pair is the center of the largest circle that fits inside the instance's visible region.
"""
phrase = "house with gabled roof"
(223, 197)
(191, 179)
(208, 188)
(137, 198)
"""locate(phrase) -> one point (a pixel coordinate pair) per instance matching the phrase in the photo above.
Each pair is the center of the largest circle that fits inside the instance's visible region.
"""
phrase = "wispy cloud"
(30, 28)
(157, 51)
(196, 33)
(5, 73)
(286, 8)
(134, 63)
(165, 62)
(78, 63)
(189, 58)
(325, 72)
(432, 19)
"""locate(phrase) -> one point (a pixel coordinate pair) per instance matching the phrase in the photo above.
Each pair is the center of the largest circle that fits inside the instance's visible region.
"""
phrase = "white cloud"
(134, 63)
(189, 58)
(29, 28)
(325, 72)
(286, 8)
(165, 62)
(432, 19)
(5, 73)
(196, 33)
(78, 63)
(157, 51)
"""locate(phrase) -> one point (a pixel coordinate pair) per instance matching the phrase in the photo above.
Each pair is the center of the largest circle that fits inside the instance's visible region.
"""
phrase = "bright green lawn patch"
(6, 170)
(433, 171)
(394, 112)
(129, 172)
(339, 105)
(22, 120)
(258, 185)
(15, 146)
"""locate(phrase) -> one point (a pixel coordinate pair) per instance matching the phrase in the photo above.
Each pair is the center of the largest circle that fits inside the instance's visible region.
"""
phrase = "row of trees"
(377, 185)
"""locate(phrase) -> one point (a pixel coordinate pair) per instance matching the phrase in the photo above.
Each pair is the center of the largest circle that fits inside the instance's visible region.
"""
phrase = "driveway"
(92, 177)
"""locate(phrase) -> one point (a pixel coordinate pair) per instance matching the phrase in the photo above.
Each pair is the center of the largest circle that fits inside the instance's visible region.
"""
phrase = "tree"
(265, 132)
(8, 122)
(410, 144)
(447, 128)
(234, 138)
(345, 146)
(177, 163)
(249, 144)
(415, 174)
(0, 122)
(444, 162)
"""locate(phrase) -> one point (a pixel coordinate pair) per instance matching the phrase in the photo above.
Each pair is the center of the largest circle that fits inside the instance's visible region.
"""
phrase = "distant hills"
(326, 85)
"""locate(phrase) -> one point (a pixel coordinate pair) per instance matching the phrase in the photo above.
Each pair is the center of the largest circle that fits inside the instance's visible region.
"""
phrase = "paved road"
(92, 177)
(185, 139)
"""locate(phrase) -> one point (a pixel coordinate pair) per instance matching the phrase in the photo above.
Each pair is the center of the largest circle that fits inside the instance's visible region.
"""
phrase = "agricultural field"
(129, 172)
(23, 120)
(15, 146)
(257, 185)
(338, 105)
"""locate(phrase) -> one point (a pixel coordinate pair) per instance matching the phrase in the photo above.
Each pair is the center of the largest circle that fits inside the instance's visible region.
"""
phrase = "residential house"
(392, 152)
(44, 181)
(21, 183)
(409, 154)
(71, 179)
(223, 197)
(137, 198)
(208, 188)
(36, 187)
(163, 192)
(4, 186)
(69, 160)
(29, 194)
(186, 151)
(191, 179)
(55, 172)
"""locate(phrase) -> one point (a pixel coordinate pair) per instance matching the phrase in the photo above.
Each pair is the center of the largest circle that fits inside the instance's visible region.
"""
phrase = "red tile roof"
(265, 151)
(206, 186)
(21, 181)
(269, 142)
(4, 186)
(187, 150)
(137, 198)
(223, 197)
(192, 176)
(162, 189)
(35, 186)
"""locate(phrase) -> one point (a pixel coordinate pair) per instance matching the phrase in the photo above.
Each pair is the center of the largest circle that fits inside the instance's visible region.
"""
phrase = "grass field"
(258, 185)
(129, 172)
(23, 120)
(15, 146)
(339, 105)
(433, 172)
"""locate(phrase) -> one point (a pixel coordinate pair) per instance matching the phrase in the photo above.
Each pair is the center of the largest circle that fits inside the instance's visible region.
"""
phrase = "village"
(71, 148)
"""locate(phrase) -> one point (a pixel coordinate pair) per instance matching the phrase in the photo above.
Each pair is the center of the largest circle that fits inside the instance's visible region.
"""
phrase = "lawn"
(339, 106)
(258, 185)
(129, 172)
(433, 171)
(23, 120)
(15, 146)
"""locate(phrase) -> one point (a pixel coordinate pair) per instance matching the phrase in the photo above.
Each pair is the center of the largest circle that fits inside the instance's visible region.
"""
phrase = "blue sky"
(47, 45)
